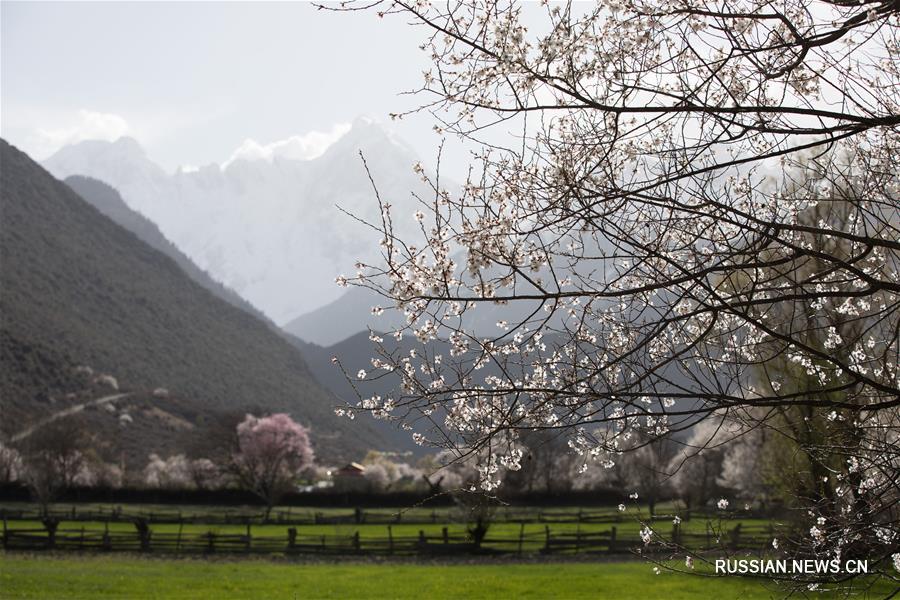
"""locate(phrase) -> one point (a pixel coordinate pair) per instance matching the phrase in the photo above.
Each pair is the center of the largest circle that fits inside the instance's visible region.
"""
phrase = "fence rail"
(143, 539)
(351, 517)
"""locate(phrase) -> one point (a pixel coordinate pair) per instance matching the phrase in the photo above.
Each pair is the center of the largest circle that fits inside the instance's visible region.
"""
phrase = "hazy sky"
(193, 81)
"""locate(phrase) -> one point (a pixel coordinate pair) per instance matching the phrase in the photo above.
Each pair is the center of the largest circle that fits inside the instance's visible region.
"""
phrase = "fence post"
(578, 536)
(292, 537)
(446, 535)
(356, 541)
(143, 530)
(4, 531)
(676, 534)
(547, 542)
(178, 539)
(107, 543)
(390, 540)
(736, 537)
(521, 536)
(210, 542)
(50, 524)
(612, 539)
(249, 537)
(423, 543)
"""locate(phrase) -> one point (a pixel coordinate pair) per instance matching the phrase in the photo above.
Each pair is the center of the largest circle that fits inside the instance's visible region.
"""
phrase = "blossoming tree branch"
(677, 213)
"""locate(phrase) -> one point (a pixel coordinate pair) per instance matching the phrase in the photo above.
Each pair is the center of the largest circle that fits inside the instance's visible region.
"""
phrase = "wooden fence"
(143, 539)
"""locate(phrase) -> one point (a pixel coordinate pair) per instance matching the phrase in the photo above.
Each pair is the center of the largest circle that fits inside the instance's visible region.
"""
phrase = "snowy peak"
(122, 153)
(267, 224)
(370, 137)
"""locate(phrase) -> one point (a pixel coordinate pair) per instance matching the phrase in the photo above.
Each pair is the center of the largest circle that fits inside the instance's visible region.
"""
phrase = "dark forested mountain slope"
(75, 288)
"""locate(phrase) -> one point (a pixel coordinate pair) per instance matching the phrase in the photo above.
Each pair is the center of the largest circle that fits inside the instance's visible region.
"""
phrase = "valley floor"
(128, 577)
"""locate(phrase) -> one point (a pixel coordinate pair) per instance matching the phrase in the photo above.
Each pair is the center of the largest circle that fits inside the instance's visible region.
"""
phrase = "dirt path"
(67, 413)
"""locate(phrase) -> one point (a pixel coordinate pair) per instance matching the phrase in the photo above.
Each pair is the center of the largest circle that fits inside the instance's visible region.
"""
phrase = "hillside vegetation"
(77, 289)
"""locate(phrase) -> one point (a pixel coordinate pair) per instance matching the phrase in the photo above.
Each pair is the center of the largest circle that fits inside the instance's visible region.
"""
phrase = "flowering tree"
(52, 459)
(744, 467)
(697, 466)
(270, 452)
(205, 474)
(547, 464)
(696, 190)
(10, 464)
(169, 473)
(647, 473)
(180, 472)
(94, 472)
(384, 473)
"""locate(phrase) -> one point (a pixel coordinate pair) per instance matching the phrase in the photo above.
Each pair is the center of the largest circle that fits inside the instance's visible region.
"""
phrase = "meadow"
(535, 574)
(124, 577)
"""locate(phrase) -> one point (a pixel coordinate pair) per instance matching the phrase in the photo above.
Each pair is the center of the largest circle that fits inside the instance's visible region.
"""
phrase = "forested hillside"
(77, 289)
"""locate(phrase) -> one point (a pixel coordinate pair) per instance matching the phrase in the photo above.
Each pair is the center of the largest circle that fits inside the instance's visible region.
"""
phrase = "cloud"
(86, 125)
(298, 147)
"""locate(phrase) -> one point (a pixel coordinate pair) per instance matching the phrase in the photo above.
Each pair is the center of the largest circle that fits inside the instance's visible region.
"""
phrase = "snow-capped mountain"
(269, 229)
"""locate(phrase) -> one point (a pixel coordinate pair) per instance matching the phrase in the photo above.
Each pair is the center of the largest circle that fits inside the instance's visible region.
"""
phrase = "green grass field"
(131, 576)
(122, 577)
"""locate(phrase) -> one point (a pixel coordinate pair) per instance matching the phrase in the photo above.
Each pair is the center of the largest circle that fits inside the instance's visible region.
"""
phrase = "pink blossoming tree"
(269, 453)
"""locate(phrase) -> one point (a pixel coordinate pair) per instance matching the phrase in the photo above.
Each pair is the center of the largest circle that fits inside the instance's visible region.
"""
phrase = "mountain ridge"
(107, 200)
(268, 229)
(94, 294)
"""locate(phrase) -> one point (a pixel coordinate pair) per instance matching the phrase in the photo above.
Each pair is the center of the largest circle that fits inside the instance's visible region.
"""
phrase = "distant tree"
(270, 453)
(377, 476)
(696, 467)
(643, 467)
(10, 464)
(646, 469)
(53, 457)
(204, 474)
(95, 472)
(384, 473)
(180, 472)
(216, 437)
(476, 510)
(548, 464)
(743, 466)
(170, 473)
(436, 476)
